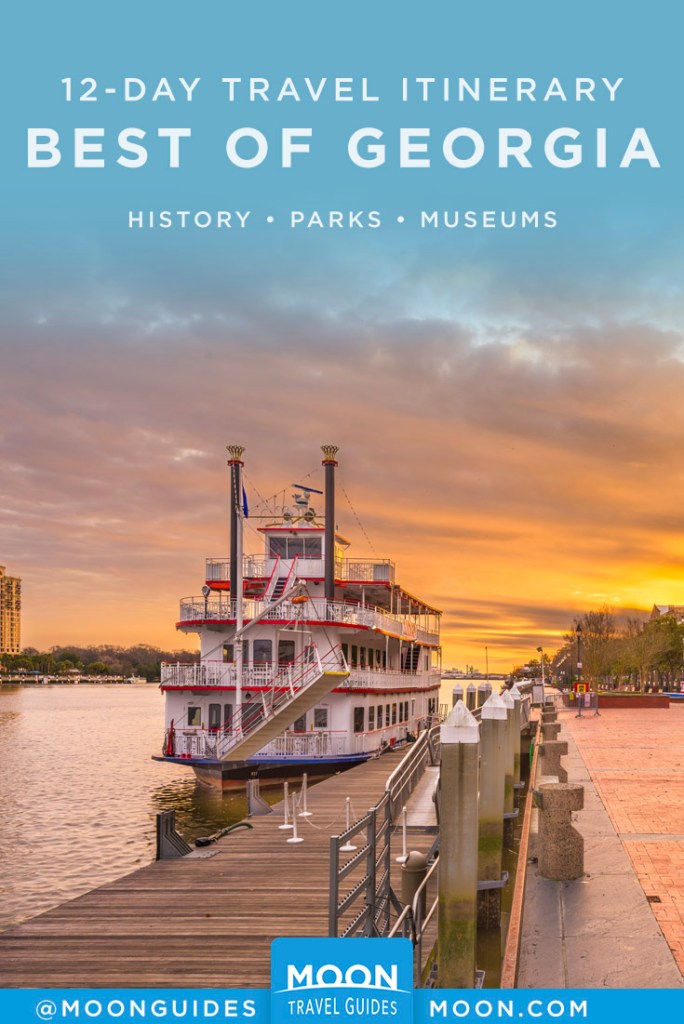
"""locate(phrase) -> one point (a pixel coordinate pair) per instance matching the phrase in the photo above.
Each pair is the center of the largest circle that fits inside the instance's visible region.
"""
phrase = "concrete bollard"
(550, 730)
(471, 696)
(456, 695)
(509, 792)
(491, 825)
(456, 929)
(550, 715)
(551, 751)
(561, 847)
(484, 692)
(413, 874)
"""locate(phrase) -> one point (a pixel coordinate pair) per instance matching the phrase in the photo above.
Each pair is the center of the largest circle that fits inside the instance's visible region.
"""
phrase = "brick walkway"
(636, 762)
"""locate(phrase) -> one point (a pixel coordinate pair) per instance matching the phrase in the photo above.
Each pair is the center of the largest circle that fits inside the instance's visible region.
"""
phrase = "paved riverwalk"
(622, 924)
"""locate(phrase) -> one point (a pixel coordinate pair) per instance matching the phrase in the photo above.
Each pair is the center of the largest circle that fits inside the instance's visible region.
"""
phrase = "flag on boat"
(245, 507)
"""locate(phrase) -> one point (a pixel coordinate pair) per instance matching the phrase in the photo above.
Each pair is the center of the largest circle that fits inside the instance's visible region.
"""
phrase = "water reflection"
(79, 792)
(200, 810)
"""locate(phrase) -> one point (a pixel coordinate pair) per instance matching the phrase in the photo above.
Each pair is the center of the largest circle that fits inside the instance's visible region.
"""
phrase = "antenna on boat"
(330, 463)
(236, 521)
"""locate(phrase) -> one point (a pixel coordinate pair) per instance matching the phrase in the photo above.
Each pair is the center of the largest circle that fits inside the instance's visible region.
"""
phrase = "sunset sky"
(509, 407)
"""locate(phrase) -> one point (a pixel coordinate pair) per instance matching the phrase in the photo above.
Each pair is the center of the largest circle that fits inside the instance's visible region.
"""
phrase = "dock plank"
(203, 920)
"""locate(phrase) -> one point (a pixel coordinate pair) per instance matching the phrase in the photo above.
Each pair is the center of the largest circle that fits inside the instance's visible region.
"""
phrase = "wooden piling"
(509, 792)
(458, 857)
(491, 822)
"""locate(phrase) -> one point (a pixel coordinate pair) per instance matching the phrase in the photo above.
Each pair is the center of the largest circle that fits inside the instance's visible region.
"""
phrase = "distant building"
(10, 613)
(675, 611)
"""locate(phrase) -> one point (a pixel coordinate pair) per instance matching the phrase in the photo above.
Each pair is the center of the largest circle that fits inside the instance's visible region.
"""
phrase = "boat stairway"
(278, 589)
(261, 724)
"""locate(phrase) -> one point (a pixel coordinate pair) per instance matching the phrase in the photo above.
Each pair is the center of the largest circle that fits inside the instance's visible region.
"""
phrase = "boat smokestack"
(235, 462)
(330, 463)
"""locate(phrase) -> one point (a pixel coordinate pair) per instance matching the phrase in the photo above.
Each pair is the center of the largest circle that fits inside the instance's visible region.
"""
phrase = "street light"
(541, 651)
(578, 631)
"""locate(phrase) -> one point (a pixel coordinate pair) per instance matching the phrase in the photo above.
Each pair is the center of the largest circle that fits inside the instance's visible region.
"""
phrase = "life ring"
(300, 599)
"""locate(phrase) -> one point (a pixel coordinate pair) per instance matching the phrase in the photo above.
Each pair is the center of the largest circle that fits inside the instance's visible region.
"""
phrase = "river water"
(79, 792)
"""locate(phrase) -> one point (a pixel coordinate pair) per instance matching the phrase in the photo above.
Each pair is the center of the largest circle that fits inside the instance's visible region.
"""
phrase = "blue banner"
(342, 997)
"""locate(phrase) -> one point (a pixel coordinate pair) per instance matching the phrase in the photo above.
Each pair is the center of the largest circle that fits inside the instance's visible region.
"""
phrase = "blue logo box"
(341, 981)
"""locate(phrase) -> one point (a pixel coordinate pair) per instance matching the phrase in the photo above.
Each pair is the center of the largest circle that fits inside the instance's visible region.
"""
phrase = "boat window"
(379, 716)
(229, 652)
(394, 714)
(384, 659)
(388, 712)
(359, 716)
(401, 711)
(362, 657)
(313, 547)
(286, 652)
(371, 718)
(277, 546)
(345, 652)
(320, 718)
(427, 662)
(194, 716)
(214, 716)
(406, 714)
(355, 656)
(227, 715)
(300, 724)
(263, 652)
(295, 547)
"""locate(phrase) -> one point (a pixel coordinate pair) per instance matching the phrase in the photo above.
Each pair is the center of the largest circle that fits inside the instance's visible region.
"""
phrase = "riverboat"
(310, 661)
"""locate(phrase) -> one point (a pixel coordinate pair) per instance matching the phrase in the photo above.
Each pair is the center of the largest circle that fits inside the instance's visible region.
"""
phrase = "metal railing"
(222, 673)
(408, 772)
(361, 570)
(218, 608)
(418, 917)
(363, 907)
(581, 702)
(286, 685)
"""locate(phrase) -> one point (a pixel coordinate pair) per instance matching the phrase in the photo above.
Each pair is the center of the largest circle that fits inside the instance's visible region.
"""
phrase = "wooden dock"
(206, 920)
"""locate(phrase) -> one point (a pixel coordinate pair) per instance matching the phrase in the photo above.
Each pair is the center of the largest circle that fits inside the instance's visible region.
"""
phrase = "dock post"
(552, 751)
(456, 932)
(491, 825)
(509, 792)
(517, 728)
(561, 846)
(484, 692)
(456, 695)
(550, 730)
(471, 696)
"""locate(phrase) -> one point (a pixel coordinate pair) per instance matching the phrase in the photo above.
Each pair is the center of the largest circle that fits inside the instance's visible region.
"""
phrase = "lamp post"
(541, 651)
(579, 689)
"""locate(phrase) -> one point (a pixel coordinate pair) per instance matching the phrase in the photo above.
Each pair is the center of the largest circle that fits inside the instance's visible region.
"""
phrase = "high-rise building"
(10, 613)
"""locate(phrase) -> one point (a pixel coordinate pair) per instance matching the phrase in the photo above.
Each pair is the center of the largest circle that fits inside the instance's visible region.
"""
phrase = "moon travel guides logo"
(351, 981)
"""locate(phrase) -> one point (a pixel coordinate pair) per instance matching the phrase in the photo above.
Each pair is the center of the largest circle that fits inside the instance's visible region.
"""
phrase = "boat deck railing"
(220, 608)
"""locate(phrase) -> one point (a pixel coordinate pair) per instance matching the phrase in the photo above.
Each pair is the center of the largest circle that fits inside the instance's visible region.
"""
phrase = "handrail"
(404, 778)
(412, 924)
(250, 716)
(219, 609)
(270, 586)
(290, 573)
